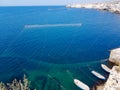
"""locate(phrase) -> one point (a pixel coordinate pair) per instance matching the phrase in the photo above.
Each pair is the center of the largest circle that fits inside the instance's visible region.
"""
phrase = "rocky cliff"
(113, 82)
(115, 56)
(113, 6)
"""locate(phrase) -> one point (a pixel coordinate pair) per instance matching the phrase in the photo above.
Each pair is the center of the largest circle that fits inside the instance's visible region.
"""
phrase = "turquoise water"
(58, 51)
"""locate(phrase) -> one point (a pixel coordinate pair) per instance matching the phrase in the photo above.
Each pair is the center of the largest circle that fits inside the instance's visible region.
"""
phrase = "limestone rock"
(113, 6)
(115, 56)
(113, 82)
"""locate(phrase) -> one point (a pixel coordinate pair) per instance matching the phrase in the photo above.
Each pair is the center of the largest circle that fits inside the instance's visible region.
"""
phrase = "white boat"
(81, 84)
(104, 67)
(98, 75)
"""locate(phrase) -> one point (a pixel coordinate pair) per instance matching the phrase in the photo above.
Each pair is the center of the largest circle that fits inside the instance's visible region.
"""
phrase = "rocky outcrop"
(115, 56)
(113, 6)
(113, 82)
(16, 85)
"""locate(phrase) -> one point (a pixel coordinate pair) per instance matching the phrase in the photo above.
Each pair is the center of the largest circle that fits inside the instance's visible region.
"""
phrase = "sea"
(53, 45)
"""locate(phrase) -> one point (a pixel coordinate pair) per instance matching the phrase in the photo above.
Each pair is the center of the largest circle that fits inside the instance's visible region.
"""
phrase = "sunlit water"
(54, 45)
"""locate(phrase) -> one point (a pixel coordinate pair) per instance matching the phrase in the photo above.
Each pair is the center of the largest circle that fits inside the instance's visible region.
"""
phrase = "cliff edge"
(115, 56)
(113, 82)
(113, 6)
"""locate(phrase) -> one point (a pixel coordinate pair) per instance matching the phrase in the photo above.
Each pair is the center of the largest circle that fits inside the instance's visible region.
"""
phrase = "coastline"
(113, 81)
(30, 63)
(113, 6)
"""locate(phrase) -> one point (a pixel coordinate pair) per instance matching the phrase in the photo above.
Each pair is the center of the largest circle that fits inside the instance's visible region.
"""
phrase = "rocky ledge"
(115, 56)
(113, 6)
(113, 82)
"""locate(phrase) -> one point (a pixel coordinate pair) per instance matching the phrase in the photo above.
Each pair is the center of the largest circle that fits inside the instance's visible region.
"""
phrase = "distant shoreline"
(113, 6)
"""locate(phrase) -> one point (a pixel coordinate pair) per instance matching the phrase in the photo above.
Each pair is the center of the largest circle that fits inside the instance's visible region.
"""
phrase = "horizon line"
(28, 5)
(53, 4)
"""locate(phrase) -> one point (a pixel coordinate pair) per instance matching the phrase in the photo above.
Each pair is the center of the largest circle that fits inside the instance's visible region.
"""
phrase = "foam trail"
(51, 25)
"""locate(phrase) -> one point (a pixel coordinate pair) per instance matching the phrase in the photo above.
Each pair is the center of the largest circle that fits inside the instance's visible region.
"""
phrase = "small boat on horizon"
(104, 67)
(81, 84)
(98, 75)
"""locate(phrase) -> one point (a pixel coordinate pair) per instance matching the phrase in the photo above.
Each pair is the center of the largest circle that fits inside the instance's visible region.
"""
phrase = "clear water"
(52, 56)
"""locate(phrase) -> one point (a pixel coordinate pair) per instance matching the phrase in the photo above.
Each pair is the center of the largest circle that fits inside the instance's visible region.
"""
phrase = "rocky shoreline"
(113, 6)
(113, 81)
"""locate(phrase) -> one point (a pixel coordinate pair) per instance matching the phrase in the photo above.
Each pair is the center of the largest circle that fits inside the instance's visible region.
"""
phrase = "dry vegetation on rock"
(16, 85)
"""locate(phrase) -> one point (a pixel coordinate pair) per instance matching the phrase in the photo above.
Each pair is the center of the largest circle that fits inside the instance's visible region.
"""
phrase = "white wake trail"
(51, 25)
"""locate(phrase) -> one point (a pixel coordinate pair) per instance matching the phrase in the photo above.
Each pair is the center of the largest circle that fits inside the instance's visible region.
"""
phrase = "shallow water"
(52, 56)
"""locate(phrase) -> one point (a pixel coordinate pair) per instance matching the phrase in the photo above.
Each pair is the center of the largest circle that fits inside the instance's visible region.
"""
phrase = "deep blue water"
(51, 54)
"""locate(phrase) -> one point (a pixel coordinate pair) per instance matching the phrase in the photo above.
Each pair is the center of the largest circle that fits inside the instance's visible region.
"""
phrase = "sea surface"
(52, 45)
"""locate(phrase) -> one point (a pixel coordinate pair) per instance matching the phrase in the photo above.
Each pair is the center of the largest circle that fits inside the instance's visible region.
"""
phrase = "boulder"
(115, 56)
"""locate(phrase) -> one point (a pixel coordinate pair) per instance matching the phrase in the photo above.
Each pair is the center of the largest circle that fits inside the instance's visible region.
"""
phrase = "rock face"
(113, 6)
(115, 56)
(113, 82)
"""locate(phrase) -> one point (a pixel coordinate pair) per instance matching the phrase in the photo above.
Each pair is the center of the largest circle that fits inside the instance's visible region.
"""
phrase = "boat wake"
(51, 25)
